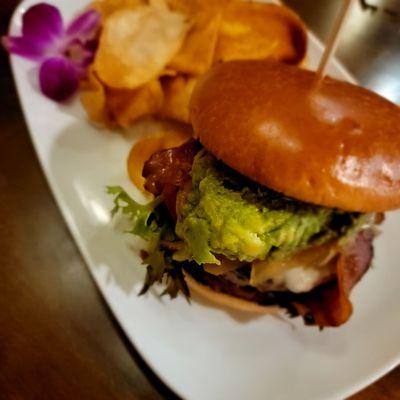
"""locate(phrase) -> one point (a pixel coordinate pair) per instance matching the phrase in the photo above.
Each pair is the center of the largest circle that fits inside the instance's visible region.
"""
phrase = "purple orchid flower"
(63, 52)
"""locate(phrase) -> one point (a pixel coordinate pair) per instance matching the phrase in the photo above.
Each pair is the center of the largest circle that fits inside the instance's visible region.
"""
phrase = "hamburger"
(276, 201)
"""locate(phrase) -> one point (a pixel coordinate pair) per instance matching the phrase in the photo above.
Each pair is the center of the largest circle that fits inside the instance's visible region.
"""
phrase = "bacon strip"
(329, 305)
(168, 170)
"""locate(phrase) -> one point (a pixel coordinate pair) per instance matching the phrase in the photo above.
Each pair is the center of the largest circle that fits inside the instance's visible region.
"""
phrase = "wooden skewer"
(333, 39)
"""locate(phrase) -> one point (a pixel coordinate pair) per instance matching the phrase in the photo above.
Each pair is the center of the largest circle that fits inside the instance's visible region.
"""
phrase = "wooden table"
(58, 340)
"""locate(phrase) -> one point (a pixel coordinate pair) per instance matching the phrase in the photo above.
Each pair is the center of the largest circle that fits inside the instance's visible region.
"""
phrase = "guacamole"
(224, 213)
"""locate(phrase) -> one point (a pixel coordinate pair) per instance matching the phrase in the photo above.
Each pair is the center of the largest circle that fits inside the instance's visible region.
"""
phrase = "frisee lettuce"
(141, 216)
(162, 268)
(149, 222)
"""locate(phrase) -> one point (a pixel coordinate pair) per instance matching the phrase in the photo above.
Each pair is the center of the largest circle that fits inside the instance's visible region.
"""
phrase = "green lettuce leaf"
(162, 269)
(148, 223)
(141, 216)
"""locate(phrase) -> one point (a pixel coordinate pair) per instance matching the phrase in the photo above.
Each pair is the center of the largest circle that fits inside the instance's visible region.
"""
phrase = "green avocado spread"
(224, 213)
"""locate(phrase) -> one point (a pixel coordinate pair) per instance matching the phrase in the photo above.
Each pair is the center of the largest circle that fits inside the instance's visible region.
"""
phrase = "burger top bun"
(329, 143)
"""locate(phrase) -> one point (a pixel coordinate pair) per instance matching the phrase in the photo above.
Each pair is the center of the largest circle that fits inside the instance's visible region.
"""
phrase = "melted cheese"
(311, 260)
(225, 266)
(143, 149)
(301, 279)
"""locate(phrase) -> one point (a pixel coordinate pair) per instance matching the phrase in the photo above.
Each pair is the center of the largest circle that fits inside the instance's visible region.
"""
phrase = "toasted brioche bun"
(333, 144)
(225, 300)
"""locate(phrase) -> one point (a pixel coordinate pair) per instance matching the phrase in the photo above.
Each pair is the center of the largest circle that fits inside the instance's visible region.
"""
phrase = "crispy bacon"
(329, 305)
(168, 170)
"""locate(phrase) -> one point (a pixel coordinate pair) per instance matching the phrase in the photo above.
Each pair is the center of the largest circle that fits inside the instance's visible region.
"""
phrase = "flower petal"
(59, 78)
(84, 25)
(33, 50)
(43, 23)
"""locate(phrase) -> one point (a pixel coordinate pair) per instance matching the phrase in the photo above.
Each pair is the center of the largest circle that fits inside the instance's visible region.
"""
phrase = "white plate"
(198, 351)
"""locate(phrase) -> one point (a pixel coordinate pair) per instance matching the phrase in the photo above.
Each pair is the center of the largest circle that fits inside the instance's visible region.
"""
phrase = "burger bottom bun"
(226, 301)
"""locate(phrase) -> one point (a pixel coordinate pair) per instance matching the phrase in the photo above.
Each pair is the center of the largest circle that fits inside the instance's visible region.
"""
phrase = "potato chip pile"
(151, 53)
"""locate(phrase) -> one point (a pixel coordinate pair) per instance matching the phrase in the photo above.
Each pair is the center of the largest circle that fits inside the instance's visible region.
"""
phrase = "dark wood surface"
(57, 338)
